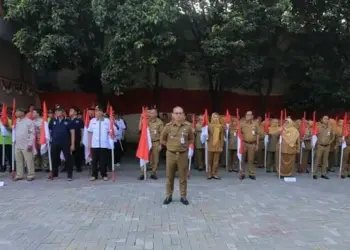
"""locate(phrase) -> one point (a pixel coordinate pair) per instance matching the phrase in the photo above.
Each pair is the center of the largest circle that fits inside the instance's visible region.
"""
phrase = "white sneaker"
(117, 165)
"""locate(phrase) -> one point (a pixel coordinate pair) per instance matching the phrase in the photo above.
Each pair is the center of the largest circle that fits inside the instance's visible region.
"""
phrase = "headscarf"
(215, 123)
(290, 133)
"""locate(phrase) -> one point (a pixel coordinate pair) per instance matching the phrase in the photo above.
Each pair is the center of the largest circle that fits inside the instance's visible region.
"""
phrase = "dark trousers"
(8, 154)
(78, 156)
(99, 160)
(56, 150)
(118, 151)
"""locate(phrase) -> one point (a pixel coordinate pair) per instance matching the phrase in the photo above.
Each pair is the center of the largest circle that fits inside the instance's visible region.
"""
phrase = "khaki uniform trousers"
(304, 160)
(41, 162)
(232, 159)
(213, 163)
(176, 161)
(249, 148)
(24, 158)
(199, 154)
(271, 161)
(321, 158)
(346, 166)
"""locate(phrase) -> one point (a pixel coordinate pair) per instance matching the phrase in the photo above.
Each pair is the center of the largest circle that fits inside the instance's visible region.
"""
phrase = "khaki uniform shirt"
(250, 132)
(220, 144)
(177, 138)
(198, 132)
(325, 135)
(232, 139)
(155, 127)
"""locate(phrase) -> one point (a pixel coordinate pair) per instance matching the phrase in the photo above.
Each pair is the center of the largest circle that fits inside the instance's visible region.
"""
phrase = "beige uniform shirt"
(24, 133)
(176, 137)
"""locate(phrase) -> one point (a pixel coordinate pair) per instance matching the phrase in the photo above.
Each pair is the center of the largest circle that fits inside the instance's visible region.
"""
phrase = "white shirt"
(100, 133)
(121, 127)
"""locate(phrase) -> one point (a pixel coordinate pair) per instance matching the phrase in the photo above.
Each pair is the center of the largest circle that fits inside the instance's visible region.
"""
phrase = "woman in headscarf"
(289, 149)
(274, 134)
(215, 145)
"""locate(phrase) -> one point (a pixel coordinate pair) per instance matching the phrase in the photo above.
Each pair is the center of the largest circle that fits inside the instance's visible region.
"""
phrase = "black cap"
(99, 108)
(59, 108)
(75, 108)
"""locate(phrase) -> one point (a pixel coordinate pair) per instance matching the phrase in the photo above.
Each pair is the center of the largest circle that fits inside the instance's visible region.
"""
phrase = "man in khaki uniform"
(325, 138)
(346, 156)
(274, 134)
(177, 136)
(41, 162)
(250, 134)
(199, 146)
(155, 126)
(24, 146)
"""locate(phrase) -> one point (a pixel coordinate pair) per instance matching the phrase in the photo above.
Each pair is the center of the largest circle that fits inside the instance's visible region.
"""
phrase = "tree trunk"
(156, 89)
(214, 92)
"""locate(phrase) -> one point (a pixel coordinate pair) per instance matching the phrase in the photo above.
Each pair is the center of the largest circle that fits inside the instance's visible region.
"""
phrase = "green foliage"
(54, 34)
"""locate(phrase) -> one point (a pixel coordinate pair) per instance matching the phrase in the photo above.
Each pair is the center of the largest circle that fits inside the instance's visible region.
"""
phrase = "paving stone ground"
(128, 214)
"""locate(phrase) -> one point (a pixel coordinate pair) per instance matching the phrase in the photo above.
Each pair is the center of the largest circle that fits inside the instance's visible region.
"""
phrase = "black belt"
(252, 142)
(323, 145)
(177, 152)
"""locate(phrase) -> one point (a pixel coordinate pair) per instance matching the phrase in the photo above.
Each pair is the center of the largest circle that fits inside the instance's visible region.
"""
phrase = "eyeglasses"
(177, 113)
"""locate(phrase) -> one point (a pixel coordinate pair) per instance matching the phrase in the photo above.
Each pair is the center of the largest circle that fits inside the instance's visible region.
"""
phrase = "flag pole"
(312, 160)
(113, 170)
(145, 171)
(280, 158)
(341, 156)
(3, 151)
(206, 156)
(265, 157)
(226, 145)
(50, 160)
(189, 168)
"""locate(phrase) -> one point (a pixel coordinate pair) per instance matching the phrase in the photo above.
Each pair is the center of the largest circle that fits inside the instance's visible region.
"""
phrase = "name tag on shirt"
(329, 133)
(155, 132)
(253, 132)
(182, 140)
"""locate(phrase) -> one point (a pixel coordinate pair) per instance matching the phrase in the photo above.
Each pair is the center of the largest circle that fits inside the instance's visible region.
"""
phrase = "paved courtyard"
(128, 214)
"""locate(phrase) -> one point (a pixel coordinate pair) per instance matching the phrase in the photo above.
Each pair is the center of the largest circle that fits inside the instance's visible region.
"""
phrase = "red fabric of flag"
(4, 115)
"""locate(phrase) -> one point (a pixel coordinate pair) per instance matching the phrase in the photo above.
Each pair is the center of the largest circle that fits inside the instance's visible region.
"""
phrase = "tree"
(140, 38)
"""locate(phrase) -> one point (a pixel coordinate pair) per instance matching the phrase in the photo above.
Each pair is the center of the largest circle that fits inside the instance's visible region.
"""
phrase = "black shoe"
(141, 178)
(63, 170)
(268, 171)
(184, 201)
(209, 178)
(252, 177)
(307, 171)
(230, 170)
(242, 177)
(200, 169)
(38, 170)
(325, 177)
(315, 177)
(216, 178)
(167, 200)
(69, 178)
(154, 177)
(349, 175)
(79, 170)
(342, 176)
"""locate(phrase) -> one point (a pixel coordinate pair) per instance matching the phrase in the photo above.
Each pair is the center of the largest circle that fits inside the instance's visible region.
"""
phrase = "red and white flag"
(44, 132)
(4, 120)
(240, 143)
(282, 118)
(191, 146)
(266, 129)
(227, 121)
(14, 119)
(314, 130)
(87, 154)
(345, 130)
(145, 142)
(205, 133)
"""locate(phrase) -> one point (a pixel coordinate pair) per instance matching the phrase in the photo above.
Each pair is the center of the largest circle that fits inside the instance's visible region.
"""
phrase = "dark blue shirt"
(77, 124)
(60, 131)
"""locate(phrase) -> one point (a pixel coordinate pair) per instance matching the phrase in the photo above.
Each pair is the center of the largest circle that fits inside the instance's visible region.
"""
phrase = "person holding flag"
(250, 133)
(41, 160)
(325, 137)
(232, 146)
(99, 143)
(177, 136)
(199, 146)
(156, 127)
(216, 134)
(273, 132)
(78, 126)
(25, 135)
(305, 137)
(63, 140)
